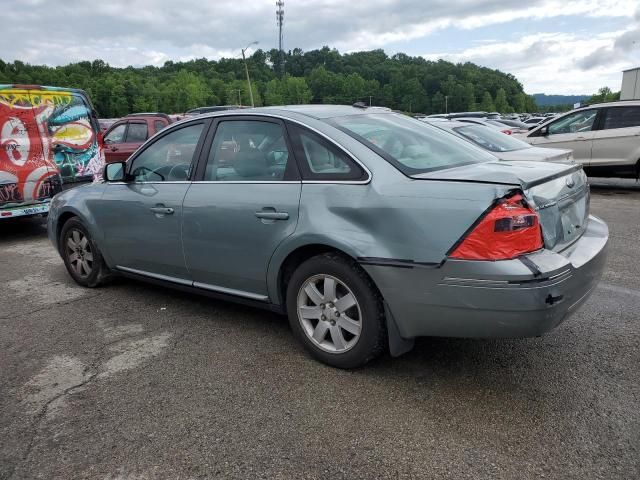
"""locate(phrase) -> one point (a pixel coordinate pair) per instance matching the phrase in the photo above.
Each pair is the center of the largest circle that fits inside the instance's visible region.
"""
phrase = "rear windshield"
(410, 145)
(490, 139)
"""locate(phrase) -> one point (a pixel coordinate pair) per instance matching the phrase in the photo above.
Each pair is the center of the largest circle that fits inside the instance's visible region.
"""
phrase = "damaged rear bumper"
(509, 298)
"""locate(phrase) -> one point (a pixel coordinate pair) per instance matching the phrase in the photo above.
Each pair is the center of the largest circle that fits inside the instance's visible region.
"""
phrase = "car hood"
(538, 154)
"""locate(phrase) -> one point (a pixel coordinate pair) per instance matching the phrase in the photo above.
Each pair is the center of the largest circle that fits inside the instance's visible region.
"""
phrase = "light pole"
(446, 104)
(246, 70)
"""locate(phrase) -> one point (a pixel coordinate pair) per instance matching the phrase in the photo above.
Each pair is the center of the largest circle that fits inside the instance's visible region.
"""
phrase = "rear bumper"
(511, 298)
(24, 210)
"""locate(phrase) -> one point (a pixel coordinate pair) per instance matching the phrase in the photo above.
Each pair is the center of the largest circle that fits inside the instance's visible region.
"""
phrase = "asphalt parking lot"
(132, 381)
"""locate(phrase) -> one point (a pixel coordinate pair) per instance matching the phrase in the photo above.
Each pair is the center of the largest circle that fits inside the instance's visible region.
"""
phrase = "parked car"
(505, 147)
(48, 136)
(127, 134)
(368, 228)
(488, 123)
(605, 138)
(533, 121)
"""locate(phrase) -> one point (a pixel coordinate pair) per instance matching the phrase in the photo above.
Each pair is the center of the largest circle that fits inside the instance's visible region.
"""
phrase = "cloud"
(140, 32)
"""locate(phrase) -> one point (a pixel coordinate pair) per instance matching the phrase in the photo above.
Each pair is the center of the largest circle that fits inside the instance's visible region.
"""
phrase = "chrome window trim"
(323, 135)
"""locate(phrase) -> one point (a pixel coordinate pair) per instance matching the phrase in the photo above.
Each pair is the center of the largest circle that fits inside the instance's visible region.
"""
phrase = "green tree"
(501, 103)
(487, 103)
(437, 103)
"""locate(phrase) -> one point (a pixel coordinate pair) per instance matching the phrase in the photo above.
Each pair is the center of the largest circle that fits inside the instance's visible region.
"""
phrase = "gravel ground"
(133, 381)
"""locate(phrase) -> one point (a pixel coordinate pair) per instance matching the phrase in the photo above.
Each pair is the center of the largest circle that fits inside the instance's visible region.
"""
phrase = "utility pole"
(370, 99)
(239, 98)
(280, 21)
(246, 70)
(446, 104)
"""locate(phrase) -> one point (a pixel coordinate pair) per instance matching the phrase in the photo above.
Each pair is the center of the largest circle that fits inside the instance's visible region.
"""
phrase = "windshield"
(489, 139)
(410, 145)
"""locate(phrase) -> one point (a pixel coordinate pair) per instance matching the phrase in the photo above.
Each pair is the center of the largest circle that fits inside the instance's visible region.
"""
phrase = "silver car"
(366, 227)
(605, 138)
(505, 147)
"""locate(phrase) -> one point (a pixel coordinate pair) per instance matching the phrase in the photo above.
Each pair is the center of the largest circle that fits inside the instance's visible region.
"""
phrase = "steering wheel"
(180, 168)
(142, 171)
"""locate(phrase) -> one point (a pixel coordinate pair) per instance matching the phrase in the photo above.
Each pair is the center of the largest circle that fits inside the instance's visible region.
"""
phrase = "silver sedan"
(366, 227)
(505, 147)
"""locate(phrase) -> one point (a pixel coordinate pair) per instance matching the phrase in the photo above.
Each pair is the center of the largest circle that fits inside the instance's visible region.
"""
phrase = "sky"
(551, 46)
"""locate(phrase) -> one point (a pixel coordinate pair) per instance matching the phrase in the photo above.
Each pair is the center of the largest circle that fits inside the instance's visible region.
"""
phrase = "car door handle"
(272, 215)
(114, 149)
(162, 210)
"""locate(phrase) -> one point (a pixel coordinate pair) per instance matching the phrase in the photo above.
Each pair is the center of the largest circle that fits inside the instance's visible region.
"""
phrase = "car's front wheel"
(81, 256)
(336, 312)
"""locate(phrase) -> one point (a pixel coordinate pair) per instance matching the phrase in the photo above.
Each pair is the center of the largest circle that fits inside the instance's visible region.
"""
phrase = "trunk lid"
(558, 192)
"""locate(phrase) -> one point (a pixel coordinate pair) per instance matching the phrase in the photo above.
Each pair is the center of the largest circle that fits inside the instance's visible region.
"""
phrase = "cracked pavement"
(133, 381)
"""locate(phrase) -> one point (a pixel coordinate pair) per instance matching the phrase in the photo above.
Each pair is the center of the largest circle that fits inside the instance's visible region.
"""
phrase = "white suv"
(605, 138)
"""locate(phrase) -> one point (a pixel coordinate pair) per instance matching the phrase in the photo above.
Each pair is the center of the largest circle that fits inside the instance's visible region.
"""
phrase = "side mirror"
(115, 172)
(544, 131)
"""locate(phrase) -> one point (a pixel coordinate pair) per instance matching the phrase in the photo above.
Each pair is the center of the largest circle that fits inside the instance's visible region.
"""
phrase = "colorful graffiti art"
(46, 136)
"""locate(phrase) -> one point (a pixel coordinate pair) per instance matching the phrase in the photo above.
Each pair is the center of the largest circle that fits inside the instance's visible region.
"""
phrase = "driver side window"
(578, 122)
(116, 135)
(169, 158)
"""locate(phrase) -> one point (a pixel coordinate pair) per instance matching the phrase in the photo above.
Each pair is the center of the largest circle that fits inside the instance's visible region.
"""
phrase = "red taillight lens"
(509, 230)
(508, 132)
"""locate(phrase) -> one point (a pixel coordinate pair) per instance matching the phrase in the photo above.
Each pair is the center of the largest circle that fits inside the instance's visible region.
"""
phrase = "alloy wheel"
(79, 253)
(329, 313)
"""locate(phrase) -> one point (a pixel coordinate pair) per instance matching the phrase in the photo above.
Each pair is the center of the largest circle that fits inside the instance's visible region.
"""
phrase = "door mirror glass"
(114, 172)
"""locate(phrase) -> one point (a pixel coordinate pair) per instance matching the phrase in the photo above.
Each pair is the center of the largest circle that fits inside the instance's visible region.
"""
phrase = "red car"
(127, 134)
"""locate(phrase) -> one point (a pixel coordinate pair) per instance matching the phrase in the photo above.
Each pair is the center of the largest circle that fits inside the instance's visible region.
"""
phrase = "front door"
(243, 206)
(574, 131)
(142, 217)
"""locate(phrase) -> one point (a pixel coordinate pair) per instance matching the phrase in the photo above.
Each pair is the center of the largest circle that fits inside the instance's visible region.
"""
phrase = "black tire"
(372, 341)
(99, 272)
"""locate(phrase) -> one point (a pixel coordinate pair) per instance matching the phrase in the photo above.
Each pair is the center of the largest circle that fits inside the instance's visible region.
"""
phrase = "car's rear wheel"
(336, 312)
(81, 256)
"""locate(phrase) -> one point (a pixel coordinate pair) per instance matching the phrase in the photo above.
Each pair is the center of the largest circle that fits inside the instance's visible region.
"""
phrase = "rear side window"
(248, 151)
(622, 117)
(137, 132)
(320, 160)
(410, 145)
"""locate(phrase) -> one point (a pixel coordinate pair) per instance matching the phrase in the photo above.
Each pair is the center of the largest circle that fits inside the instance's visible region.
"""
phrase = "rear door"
(573, 131)
(70, 133)
(617, 142)
(242, 206)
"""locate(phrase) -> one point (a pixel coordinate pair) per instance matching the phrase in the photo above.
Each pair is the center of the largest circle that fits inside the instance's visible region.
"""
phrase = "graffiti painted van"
(48, 137)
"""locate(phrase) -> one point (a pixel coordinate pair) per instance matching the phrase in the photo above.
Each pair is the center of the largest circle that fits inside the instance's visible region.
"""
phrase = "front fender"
(77, 202)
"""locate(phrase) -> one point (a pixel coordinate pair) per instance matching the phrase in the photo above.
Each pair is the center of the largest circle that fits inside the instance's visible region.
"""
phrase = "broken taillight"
(510, 229)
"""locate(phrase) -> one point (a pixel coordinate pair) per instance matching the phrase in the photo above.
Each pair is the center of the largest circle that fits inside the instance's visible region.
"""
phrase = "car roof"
(619, 103)
(19, 86)
(449, 124)
(314, 111)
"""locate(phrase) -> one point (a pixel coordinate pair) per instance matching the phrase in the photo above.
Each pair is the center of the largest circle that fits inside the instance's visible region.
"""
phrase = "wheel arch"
(287, 258)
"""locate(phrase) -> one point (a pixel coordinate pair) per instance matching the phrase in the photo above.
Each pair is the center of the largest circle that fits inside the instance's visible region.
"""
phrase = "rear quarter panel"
(394, 218)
